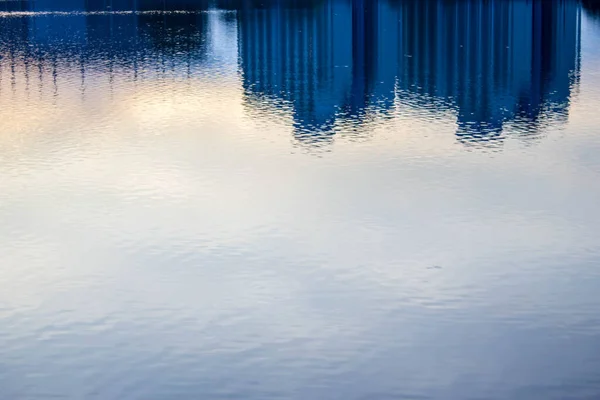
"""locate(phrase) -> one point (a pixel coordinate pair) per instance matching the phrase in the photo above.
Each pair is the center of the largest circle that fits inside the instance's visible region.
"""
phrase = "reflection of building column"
(364, 51)
(537, 58)
(554, 58)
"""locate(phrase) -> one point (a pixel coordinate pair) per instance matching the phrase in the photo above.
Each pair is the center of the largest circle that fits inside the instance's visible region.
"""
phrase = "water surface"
(299, 200)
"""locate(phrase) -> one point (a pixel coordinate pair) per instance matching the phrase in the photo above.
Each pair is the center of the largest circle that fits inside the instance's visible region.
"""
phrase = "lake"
(335, 199)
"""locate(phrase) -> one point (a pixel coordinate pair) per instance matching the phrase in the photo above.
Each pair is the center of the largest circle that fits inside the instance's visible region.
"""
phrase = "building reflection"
(301, 53)
(97, 38)
(491, 62)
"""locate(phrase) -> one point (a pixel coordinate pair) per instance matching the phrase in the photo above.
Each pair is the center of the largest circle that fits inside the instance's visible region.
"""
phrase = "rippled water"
(299, 199)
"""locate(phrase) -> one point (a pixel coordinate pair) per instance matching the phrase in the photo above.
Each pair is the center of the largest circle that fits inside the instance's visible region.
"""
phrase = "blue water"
(299, 199)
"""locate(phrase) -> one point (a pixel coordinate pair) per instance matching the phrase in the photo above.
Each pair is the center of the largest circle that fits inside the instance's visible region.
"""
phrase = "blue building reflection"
(490, 61)
(96, 36)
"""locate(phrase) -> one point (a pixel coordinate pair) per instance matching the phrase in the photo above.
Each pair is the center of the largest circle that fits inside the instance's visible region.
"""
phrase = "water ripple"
(295, 200)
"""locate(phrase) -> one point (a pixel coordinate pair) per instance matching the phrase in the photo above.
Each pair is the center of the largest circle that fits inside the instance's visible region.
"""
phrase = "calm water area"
(335, 199)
